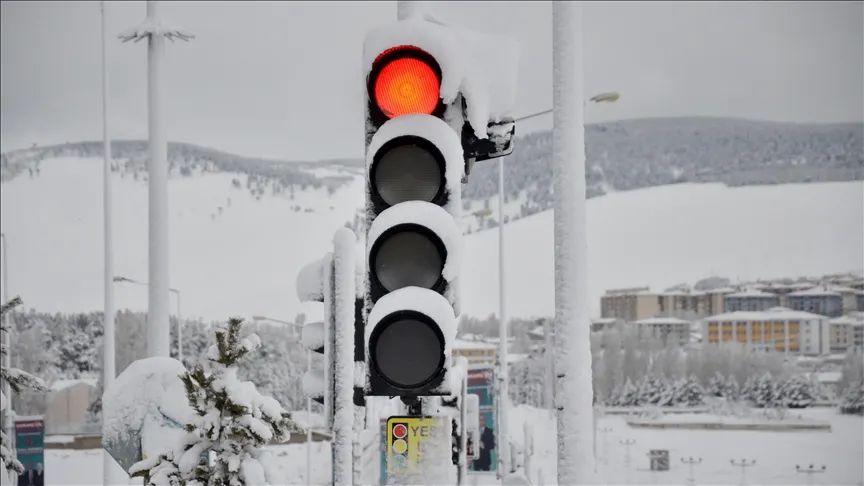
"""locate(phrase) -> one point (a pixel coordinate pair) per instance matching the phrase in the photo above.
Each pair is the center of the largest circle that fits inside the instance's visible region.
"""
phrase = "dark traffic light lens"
(407, 173)
(408, 353)
(407, 259)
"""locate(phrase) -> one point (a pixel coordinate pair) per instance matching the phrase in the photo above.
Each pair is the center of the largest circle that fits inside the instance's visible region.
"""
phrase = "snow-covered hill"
(234, 253)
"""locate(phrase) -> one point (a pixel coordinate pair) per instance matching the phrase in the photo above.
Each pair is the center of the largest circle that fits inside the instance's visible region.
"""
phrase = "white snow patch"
(481, 67)
(313, 334)
(310, 282)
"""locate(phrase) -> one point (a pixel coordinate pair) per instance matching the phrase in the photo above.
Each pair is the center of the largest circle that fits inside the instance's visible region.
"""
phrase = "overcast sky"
(284, 80)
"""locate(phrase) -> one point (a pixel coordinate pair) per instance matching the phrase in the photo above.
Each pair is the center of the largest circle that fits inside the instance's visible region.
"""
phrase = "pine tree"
(692, 394)
(717, 386)
(18, 381)
(853, 399)
(763, 392)
(650, 390)
(232, 420)
(797, 392)
(732, 391)
(629, 395)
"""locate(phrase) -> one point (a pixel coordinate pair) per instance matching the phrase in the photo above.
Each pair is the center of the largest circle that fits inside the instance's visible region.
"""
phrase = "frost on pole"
(480, 67)
(343, 401)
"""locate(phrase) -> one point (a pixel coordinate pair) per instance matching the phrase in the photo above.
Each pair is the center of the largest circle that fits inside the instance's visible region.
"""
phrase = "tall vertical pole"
(408, 8)
(344, 297)
(158, 330)
(549, 359)
(573, 352)
(179, 327)
(309, 424)
(108, 362)
(7, 339)
(503, 399)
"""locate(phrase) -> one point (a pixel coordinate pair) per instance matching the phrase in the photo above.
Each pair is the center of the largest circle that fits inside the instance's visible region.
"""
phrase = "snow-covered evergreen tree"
(731, 390)
(691, 393)
(763, 392)
(233, 420)
(650, 390)
(18, 381)
(797, 392)
(628, 396)
(852, 401)
(717, 385)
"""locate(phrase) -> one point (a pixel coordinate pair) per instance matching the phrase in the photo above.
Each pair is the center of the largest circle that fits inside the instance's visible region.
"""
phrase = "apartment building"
(639, 303)
(779, 329)
(821, 299)
(847, 332)
(750, 300)
(475, 351)
(669, 330)
(631, 304)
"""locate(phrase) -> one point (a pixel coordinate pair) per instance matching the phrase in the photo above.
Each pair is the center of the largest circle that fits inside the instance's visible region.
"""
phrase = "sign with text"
(30, 443)
(481, 382)
(417, 449)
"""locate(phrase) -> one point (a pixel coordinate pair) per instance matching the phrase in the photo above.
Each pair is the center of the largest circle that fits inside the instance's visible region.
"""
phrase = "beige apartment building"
(634, 304)
(68, 401)
(847, 332)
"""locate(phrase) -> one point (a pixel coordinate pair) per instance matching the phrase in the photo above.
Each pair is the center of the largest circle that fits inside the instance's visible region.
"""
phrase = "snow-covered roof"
(661, 320)
(464, 344)
(772, 314)
(827, 376)
(852, 321)
(60, 385)
(819, 290)
(751, 292)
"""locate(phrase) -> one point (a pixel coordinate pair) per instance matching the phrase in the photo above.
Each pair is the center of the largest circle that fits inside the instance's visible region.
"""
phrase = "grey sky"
(283, 79)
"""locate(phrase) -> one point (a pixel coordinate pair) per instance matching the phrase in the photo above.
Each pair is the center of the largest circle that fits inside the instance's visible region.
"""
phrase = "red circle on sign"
(400, 431)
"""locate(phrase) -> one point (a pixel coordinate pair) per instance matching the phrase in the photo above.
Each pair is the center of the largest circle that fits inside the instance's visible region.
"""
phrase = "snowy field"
(776, 454)
(233, 255)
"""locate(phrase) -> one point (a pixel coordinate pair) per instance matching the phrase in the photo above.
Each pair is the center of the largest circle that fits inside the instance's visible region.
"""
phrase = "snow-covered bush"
(18, 381)
(717, 386)
(691, 393)
(651, 389)
(232, 420)
(627, 396)
(852, 401)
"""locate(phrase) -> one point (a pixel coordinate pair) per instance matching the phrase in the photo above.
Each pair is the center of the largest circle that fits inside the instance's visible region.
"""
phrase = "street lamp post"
(7, 359)
(308, 399)
(179, 315)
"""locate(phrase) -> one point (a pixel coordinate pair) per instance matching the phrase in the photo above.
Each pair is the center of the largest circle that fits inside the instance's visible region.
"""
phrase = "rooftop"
(772, 314)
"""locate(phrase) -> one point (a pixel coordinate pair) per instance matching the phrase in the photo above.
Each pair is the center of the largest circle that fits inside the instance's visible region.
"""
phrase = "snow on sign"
(416, 449)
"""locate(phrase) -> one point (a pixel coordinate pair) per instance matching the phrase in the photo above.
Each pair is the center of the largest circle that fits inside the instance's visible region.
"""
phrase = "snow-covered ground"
(234, 255)
(776, 454)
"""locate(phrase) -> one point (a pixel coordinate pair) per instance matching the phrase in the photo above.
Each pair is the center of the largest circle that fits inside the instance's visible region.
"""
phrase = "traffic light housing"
(415, 165)
(315, 283)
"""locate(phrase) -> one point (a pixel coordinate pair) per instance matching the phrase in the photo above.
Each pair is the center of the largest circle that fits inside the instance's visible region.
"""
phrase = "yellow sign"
(405, 436)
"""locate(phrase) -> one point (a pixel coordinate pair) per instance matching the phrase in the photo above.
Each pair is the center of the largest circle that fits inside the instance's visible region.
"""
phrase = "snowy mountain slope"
(243, 259)
(623, 155)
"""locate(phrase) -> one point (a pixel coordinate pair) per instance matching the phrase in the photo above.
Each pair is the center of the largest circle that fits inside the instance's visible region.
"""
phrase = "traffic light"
(315, 283)
(415, 165)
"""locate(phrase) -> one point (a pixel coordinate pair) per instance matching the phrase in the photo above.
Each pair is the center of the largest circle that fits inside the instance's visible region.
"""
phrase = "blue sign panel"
(30, 445)
(481, 382)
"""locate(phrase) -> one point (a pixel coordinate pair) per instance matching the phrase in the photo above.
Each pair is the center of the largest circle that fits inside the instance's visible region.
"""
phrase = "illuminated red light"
(405, 86)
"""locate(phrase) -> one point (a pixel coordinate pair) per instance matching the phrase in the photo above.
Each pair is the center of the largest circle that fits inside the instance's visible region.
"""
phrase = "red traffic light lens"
(405, 86)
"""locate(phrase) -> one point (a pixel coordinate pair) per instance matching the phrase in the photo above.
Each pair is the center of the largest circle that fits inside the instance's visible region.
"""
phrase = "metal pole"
(308, 425)
(549, 358)
(7, 359)
(504, 398)
(809, 471)
(408, 8)
(179, 327)
(690, 461)
(158, 330)
(574, 392)
(744, 464)
(344, 296)
(108, 360)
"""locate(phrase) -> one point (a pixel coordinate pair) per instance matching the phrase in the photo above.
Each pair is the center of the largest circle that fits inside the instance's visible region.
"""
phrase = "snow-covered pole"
(308, 477)
(409, 8)
(158, 330)
(574, 395)
(504, 443)
(549, 361)
(7, 339)
(344, 297)
(108, 362)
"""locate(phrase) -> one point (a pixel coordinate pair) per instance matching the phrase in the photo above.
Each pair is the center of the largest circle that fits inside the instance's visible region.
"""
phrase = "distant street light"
(609, 97)
(179, 315)
(308, 399)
